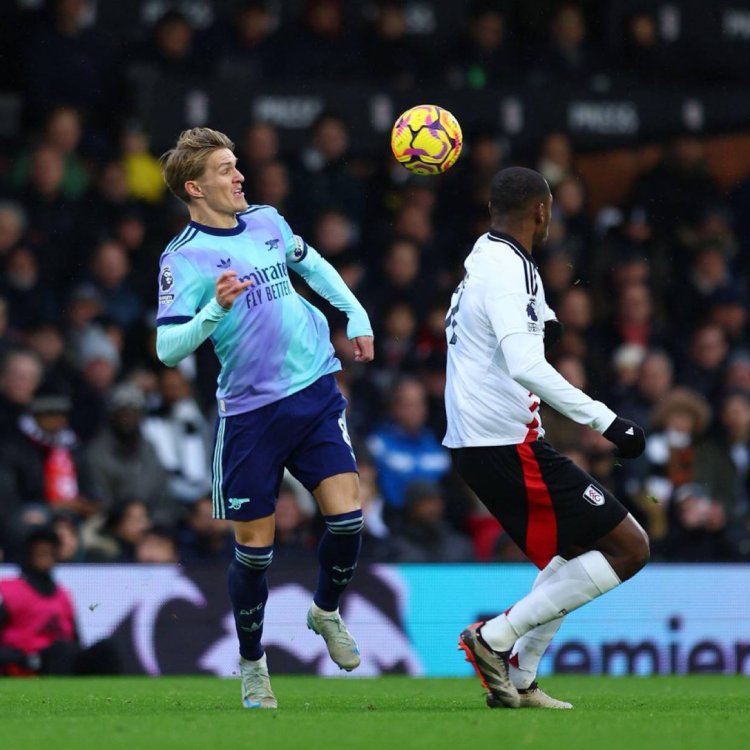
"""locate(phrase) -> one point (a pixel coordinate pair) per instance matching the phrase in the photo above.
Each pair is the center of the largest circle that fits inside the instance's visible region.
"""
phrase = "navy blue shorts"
(305, 432)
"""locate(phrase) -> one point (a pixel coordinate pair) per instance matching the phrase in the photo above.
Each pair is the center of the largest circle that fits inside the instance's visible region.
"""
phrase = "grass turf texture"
(390, 713)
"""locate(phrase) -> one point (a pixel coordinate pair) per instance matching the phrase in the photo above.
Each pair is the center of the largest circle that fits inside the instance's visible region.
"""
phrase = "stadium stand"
(635, 118)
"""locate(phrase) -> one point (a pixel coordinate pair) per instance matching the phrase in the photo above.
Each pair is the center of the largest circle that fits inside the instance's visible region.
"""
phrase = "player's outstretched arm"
(526, 363)
(325, 280)
(524, 357)
(176, 341)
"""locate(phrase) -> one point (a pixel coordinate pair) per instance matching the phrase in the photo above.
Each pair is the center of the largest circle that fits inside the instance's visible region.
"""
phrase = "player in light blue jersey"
(226, 277)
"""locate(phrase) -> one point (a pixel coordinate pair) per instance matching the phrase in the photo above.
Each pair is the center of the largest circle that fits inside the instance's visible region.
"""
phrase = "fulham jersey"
(500, 296)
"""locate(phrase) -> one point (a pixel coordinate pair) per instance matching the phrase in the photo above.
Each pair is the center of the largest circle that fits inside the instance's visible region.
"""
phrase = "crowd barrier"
(168, 619)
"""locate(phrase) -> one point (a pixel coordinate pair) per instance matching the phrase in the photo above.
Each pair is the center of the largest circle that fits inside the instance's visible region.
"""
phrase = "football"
(426, 139)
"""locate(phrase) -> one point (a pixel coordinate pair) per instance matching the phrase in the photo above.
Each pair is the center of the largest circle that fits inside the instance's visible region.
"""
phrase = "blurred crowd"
(100, 441)
(89, 54)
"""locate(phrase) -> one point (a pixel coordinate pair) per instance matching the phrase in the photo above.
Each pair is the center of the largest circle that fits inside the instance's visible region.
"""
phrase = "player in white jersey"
(575, 531)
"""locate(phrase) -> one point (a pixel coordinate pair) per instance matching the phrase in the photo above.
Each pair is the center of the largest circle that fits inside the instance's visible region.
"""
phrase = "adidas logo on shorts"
(594, 495)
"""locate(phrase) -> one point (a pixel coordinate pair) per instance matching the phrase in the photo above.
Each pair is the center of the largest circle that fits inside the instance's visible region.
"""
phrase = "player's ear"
(539, 213)
(193, 189)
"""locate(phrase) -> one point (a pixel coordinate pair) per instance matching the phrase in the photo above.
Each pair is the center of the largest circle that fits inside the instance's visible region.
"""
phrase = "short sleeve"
(181, 290)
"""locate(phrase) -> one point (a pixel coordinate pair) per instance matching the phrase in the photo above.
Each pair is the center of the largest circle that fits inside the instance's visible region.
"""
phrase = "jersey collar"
(496, 236)
(219, 231)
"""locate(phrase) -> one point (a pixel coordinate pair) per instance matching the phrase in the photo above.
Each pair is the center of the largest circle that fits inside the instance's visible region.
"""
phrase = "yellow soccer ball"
(426, 139)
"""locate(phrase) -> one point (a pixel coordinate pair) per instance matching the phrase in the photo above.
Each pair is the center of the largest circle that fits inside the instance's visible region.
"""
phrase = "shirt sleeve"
(174, 341)
(524, 358)
(326, 281)
(323, 278)
(181, 290)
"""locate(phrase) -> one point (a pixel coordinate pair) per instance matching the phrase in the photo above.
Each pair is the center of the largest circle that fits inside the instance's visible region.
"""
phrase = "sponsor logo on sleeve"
(594, 495)
(166, 282)
(532, 323)
(300, 249)
(167, 279)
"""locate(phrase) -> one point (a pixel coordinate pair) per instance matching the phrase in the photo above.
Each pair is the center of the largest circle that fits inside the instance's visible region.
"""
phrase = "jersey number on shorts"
(451, 318)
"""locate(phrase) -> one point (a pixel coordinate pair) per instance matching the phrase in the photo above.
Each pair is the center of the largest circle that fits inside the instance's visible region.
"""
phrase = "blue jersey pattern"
(273, 343)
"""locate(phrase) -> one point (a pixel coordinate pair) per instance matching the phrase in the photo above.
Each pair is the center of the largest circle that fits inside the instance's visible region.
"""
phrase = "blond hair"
(187, 160)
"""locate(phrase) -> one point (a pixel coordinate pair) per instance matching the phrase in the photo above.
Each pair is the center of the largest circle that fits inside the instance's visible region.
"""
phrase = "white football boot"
(532, 697)
(341, 645)
(256, 684)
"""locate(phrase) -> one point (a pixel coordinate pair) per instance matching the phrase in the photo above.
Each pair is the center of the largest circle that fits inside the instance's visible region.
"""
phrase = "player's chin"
(240, 203)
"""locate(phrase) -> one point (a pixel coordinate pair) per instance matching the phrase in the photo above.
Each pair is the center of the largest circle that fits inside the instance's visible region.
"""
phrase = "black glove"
(629, 438)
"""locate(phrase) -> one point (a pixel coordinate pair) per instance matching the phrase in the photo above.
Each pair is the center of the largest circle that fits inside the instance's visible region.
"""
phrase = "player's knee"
(352, 506)
(338, 494)
(635, 557)
(642, 548)
(627, 548)
(642, 554)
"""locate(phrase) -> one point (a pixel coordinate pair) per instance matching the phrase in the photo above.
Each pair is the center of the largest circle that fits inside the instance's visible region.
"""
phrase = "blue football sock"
(248, 591)
(338, 552)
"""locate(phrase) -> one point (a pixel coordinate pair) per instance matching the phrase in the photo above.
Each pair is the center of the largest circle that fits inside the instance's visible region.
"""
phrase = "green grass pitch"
(388, 713)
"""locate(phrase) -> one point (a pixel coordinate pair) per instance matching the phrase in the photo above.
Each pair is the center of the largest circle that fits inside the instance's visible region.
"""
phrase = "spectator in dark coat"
(645, 56)
(568, 55)
(46, 459)
(293, 540)
(124, 464)
(20, 376)
(31, 301)
(698, 528)
(321, 47)
(423, 534)
(246, 42)
(325, 179)
(69, 61)
(679, 188)
(391, 55)
(171, 49)
(703, 367)
(53, 229)
(204, 538)
(483, 56)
